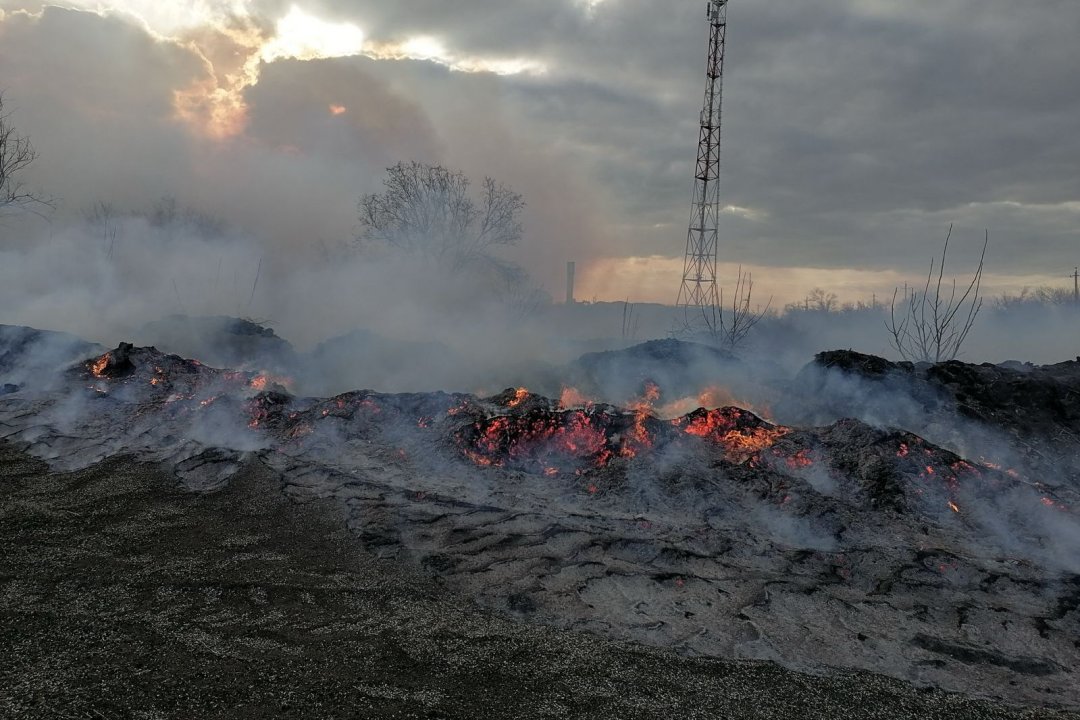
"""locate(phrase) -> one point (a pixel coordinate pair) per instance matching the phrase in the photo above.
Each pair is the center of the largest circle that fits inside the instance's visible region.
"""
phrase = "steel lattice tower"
(699, 288)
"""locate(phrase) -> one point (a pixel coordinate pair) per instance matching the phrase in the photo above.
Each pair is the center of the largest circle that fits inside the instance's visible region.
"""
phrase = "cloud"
(854, 133)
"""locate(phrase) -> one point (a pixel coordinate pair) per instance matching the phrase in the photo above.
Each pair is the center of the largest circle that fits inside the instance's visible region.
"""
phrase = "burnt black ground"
(122, 596)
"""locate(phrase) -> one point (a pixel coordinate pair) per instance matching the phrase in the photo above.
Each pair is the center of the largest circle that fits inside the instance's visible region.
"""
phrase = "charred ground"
(851, 543)
(125, 596)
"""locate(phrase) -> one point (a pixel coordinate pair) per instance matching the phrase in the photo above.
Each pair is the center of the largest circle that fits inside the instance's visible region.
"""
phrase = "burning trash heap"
(712, 530)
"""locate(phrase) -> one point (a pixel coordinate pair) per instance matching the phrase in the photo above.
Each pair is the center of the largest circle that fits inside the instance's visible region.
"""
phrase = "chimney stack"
(570, 269)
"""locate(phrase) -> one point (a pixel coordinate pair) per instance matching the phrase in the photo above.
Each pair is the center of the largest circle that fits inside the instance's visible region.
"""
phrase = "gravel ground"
(124, 597)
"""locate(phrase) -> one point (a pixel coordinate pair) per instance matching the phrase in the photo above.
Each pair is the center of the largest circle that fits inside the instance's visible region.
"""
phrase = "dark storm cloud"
(860, 129)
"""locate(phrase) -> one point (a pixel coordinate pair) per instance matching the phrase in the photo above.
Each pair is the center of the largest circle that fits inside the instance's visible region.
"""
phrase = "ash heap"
(919, 522)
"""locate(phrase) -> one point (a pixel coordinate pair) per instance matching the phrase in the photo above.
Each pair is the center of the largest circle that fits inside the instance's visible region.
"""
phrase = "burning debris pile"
(708, 529)
(1007, 415)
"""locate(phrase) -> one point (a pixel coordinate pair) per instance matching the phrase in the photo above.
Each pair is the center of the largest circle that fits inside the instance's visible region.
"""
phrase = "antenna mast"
(699, 288)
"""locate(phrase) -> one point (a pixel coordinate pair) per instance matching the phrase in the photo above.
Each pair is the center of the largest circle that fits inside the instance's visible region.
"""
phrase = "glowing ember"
(541, 438)
(98, 367)
(799, 460)
(954, 507)
(903, 451)
(742, 434)
(520, 396)
(458, 410)
(962, 467)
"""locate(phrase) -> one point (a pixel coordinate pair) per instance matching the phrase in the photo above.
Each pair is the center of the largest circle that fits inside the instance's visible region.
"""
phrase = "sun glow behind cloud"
(425, 47)
(214, 106)
(301, 36)
(168, 19)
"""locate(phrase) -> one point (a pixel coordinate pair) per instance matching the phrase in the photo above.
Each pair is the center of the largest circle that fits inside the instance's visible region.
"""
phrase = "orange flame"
(638, 437)
(572, 397)
(520, 396)
(652, 392)
(99, 365)
(740, 433)
(711, 397)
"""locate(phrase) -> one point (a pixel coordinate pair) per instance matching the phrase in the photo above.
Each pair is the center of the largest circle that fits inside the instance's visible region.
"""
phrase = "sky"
(855, 131)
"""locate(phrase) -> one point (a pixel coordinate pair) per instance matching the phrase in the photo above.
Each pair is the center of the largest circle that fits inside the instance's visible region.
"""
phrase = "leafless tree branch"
(427, 210)
(727, 324)
(933, 324)
(17, 154)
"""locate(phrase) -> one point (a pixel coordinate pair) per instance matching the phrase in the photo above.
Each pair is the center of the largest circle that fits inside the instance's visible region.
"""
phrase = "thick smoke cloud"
(854, 133)
(945, 117)
(109, 131)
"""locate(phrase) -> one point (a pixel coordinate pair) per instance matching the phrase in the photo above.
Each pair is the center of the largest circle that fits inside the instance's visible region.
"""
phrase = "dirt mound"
(1011, 414)
(715, 532)
(28, 354)
(678, 368)
(222, 341)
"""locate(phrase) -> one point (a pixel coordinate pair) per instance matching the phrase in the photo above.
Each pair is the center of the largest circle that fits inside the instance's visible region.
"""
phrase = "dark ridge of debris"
(1012, 415)
(26, 352)
(679, 368)
(869, 366)
(222, 341)
(114, 364)
(1031, 401)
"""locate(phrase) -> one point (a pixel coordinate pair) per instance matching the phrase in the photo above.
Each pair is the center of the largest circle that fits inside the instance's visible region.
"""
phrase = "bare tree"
(102, 217)
(427, 210)
(171, 216)
(16, 154)
(822, 301)
(1042, 296)
(934, 323)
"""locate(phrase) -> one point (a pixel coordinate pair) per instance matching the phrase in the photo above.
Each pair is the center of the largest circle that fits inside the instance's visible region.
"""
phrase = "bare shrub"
(723, 323)
(933, 324)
